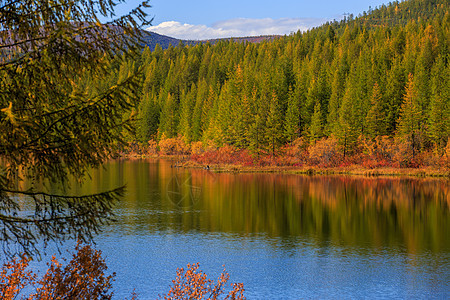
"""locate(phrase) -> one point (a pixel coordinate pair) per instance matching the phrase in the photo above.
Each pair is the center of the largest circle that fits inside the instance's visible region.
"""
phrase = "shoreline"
(184, 161)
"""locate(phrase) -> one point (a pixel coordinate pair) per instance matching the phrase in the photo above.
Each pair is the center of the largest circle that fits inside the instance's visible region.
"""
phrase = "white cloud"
(235, 28)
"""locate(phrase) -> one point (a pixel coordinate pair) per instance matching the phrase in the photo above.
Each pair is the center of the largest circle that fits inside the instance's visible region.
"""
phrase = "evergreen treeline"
(383, 73)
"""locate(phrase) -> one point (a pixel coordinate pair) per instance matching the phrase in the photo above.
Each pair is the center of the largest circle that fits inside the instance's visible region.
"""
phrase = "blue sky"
(203, 19)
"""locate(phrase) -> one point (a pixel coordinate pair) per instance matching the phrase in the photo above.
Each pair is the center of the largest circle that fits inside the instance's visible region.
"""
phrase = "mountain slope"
(151, 39)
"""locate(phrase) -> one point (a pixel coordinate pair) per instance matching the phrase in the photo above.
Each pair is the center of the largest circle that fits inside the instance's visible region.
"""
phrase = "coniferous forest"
(369, 91)
(377, 85)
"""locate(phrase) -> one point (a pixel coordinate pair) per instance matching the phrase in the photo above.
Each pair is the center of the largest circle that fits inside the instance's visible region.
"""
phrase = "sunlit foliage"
(83, 277)
(347, 80)
(66, 82)
(192, 283)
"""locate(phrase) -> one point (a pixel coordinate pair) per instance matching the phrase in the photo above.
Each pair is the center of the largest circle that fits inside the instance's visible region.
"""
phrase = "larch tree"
(375, 119)
(258, 127)
(351, 114)
(207, 109)
(341, 69)
(410, 121)
(394, 93)
(170, 116)
(196, 115)
(185, 124)
(439, 116)
(237, 102)
(274, 134)
(148, 118)
(244, 121)
(291, 124)
(65, 84)
(316, 128)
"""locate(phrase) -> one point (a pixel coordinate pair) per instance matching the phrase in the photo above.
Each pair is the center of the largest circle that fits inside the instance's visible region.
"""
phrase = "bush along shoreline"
(382, 156)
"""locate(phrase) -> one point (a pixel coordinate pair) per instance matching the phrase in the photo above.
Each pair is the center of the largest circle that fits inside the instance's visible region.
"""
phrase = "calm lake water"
(283, 236)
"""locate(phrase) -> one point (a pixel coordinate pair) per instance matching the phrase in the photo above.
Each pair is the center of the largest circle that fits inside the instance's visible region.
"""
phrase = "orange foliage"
(82, 278)
(210, 145)
(13, 278)
(194, 284)
(384, 147)
(381, 152)
(224, 155)
(445, 160)
(325, 152)
(173, 146)
(296, 153)
(197, 148)
(152, 147)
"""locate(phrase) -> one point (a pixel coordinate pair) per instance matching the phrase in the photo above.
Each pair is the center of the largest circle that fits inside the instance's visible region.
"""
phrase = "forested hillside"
(151, 39)
(382, 78)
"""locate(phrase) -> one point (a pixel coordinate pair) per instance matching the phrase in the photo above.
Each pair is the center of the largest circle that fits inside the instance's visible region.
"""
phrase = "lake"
(284, 236)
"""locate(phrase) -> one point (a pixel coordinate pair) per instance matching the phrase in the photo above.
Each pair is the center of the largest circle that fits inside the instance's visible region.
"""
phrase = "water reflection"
(283, 236)
(365, 213)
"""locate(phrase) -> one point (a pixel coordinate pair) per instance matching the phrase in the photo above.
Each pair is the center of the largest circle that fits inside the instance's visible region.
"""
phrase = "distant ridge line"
(151, 39)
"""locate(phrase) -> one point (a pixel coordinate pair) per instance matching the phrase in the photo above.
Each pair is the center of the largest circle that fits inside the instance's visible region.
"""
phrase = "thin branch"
(100, 98)
(118, 191)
